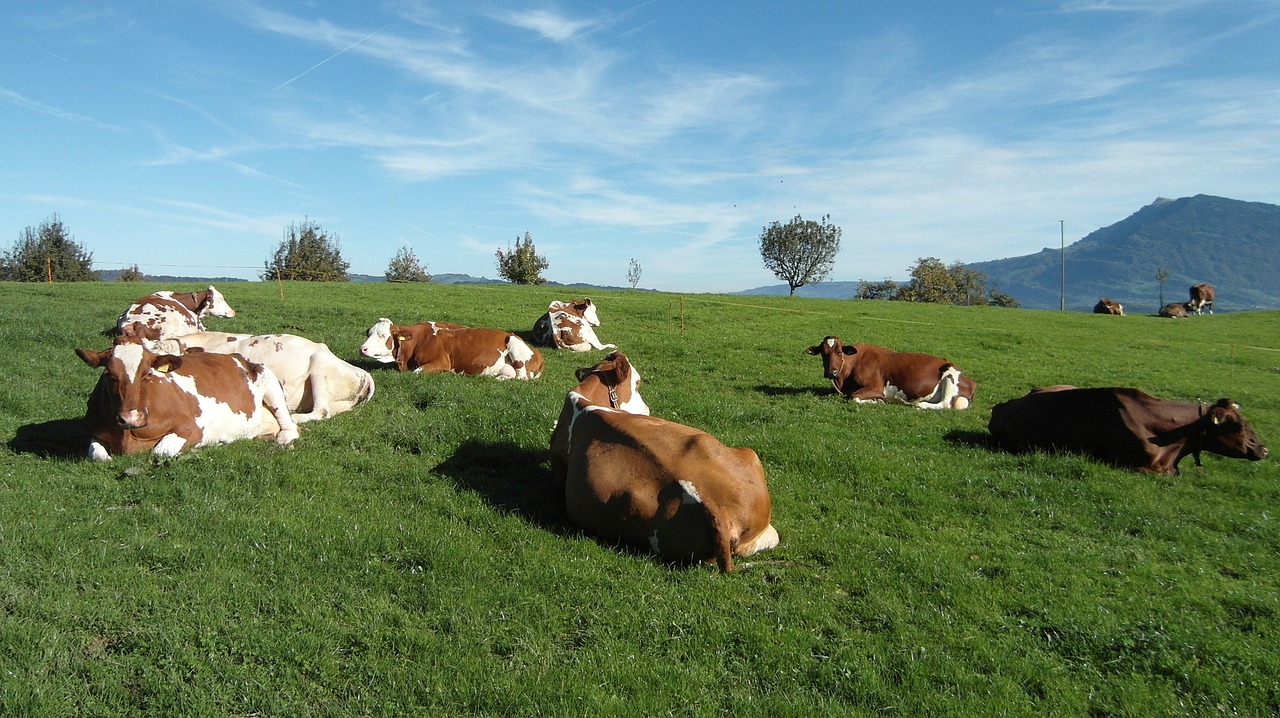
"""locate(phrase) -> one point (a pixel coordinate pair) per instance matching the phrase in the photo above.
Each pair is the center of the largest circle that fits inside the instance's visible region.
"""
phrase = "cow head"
(585, 309)
(128, 363)
(833, 354)
(213, 303)
(1227, 433)
(381, 344)
(613, 382)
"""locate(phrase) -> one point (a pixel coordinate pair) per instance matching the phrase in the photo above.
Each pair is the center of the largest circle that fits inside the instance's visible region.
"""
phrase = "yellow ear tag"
(162, 368)
(402, 337)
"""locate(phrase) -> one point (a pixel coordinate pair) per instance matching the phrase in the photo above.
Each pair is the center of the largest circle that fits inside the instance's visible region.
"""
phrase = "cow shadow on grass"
(975, 439)
(511, 478)
(794, 390)
(57, 439)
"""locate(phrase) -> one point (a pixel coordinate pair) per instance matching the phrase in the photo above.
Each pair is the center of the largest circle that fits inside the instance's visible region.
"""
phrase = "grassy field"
(408, 558)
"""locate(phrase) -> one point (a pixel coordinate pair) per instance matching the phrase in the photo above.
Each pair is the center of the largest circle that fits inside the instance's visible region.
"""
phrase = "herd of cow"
(1201, 299)
(168, 386)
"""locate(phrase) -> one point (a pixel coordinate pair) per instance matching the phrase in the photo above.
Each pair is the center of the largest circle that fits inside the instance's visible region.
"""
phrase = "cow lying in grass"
(436, 347)
(651, 483)
(870, 373)
(1124, 427)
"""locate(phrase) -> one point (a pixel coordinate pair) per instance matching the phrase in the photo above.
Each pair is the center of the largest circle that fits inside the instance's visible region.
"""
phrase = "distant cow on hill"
(173, 314)
(1201, 298)
(1107, 306)
(568, 325)
(1174, 310)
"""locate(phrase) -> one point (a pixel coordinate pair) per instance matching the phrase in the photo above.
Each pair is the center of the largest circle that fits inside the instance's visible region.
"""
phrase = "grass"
(409, 558)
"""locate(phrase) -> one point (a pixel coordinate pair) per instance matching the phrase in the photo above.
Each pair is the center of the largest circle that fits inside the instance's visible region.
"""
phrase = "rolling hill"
(1233, 245)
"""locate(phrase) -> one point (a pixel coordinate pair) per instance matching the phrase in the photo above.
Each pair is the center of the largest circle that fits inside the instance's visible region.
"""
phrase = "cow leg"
(273, 399)
(318, 388)
(169, 445)
(947, 389)
(98, 452)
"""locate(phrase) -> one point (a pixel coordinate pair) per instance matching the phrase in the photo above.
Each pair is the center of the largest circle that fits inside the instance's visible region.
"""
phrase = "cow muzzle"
(132, 419)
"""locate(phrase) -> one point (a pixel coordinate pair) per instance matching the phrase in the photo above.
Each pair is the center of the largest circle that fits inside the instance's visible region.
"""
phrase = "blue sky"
(185, 137)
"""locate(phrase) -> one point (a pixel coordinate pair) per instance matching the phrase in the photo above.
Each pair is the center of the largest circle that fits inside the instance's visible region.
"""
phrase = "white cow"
(173, 314)
(568, 325)
(317, 384)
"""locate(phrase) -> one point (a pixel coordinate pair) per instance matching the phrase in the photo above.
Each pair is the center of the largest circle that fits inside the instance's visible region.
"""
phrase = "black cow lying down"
(1124, 427)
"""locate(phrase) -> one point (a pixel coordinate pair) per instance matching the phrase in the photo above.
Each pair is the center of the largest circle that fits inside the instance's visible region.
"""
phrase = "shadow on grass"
(975, 439)
(511, 478)
(795, 390)
(60, 438)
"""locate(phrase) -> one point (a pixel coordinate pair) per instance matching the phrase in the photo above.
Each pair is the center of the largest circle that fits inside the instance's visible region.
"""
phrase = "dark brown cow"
(654, 484)
(1201, 298)
(1106, 306)
(870, 373)
(569, 325)
(167, 404)
(1124, 427)
(173, 314)
(436, 347)
(1173, 310)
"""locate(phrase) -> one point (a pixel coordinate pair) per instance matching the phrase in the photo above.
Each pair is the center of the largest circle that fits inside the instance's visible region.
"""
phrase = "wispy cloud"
(29, 104)
(547, 24)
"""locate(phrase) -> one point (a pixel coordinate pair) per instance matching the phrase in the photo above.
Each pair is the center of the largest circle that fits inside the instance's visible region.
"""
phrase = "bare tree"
(633, 273)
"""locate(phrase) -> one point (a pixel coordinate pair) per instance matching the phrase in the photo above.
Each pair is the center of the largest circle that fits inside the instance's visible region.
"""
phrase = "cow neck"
(613, 395)
(1198, 437)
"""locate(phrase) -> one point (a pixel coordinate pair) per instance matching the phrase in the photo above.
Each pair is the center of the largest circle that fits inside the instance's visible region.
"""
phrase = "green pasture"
(409, 558)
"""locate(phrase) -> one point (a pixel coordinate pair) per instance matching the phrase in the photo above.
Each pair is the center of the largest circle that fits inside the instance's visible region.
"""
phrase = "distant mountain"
(1233, 245)
(821, 290)
(110, 275)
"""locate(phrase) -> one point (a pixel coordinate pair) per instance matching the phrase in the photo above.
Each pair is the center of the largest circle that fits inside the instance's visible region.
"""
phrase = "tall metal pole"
(1062, 243)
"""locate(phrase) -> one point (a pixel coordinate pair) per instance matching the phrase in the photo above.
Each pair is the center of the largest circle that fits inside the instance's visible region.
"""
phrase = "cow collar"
(1198, 440)
(613, 396)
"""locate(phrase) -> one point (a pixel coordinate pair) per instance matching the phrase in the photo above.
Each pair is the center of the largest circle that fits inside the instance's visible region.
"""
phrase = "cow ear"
(1220, 411)
(167, 363)
(812, 350)
(848, 349)
(93, 359)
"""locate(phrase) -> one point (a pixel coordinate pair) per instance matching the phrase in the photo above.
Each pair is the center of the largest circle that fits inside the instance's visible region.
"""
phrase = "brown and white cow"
(569, 325)
(870, 373)
(654, 484)
(1107, 306)
(167, 404)
(1174, 310)
(175, 313)
(1124, 427)
(317, 384)
(436, 347)
(1201, 298)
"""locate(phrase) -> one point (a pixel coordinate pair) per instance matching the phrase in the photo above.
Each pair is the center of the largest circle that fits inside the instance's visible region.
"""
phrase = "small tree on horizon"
(307, 253)
(47, 252)
(405, 267)
(1162, 276)
(521, 264)
(633, 273)
(131, 274)
(801, 251)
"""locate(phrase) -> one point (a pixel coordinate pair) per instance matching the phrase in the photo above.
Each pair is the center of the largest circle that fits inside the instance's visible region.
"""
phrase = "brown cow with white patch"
(317, 384)
(1174, 310)
(173, 314)
(869, 373)
(436, 347)
(654, 484)
(1107, 306)
(167, 404)
(1201, 298)
(1124, 427)
(568, 325)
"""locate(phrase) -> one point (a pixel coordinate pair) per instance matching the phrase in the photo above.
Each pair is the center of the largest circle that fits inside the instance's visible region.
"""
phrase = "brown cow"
(1201, 298)
(1124, 427)
(173, 314)
(1107, 306)
(1173, 310)
(568, 325)
(436, 347)
(870, 373)
(654, 484)
(167, 404)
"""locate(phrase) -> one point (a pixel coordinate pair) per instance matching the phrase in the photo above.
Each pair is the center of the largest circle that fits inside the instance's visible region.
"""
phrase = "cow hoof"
(97, 452)
(286, 437)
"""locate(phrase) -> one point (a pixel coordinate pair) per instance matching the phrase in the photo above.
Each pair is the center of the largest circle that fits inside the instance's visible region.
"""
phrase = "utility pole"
(1062, 244)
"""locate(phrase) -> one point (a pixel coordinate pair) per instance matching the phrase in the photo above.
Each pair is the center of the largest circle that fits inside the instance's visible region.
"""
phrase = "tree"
(801, 251)
(404, 267)
(936, 283)
(307, 253)
(888, 289)
(633, 273)
(47, 253)
(1162, 275)
(997, 298)
(131, 274)
(521, 264)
